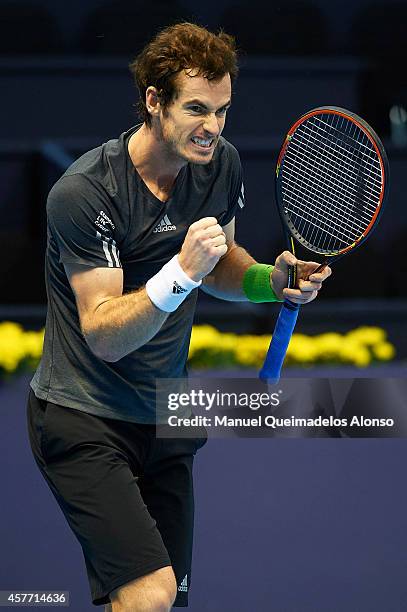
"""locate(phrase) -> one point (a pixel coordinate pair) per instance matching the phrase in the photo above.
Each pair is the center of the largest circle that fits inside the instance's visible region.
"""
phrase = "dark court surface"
(282, 525)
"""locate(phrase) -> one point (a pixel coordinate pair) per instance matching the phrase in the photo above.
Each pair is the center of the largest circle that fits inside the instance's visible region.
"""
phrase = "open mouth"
(202, 143)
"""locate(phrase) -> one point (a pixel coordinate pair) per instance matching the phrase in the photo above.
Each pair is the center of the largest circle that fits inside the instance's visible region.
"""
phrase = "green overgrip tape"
(256, 284)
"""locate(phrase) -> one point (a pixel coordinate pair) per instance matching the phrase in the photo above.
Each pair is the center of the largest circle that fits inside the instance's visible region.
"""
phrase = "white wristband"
(170, 286)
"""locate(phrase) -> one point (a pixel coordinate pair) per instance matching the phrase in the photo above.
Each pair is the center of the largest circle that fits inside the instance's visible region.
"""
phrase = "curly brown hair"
(183, 46)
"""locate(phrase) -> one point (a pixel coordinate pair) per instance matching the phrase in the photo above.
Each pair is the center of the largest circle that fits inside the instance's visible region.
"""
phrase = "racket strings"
(335, 189)
(331, 182)
(335, 153)
(322, 219)
(325, 178)
(342, 166)
(318, 219)
(343, 162)
(369, 166)
(346, 169)
(361, 141)
(317, 210)
(317, 214)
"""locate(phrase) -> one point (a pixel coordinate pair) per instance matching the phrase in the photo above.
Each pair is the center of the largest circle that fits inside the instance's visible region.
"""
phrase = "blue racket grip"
(279, 343)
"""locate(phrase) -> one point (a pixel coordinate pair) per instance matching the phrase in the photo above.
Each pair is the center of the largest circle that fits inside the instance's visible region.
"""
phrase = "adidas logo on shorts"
(183, 587)
(165, 225)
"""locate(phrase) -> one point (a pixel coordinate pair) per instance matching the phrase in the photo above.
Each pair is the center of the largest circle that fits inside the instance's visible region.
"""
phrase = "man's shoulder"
(104, 165)
(101, 170)
(98, 161)
(87, 164)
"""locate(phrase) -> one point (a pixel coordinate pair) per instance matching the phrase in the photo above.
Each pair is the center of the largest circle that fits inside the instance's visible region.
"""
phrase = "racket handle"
(321, 267)
(279, 343)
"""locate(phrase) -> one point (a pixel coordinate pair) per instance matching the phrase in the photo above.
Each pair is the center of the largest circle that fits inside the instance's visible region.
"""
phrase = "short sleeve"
(82, 224)
(236, 190)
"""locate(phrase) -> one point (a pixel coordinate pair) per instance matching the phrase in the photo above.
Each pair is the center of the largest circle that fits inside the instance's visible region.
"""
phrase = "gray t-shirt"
(101, 214)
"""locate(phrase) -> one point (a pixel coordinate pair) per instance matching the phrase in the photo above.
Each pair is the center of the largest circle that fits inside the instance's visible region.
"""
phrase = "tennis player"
(135, 227)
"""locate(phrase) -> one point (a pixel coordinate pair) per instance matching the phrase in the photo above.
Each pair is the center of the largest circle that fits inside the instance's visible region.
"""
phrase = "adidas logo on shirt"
(184, 584)
(165, 225)
(176, 288)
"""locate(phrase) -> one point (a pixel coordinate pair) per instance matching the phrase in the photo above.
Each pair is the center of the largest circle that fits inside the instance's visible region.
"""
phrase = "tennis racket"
(332, 178)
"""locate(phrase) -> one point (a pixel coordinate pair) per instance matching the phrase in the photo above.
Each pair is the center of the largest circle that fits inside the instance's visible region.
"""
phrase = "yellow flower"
(367, 335)
(361, 357)
(301, 350)
(11, 346)
(384, 351)
(328, 347)
(33, 343)
(17, 345)
(210, 348)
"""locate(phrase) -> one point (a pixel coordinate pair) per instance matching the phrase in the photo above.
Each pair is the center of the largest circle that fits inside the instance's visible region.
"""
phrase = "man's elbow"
(101, 350)
(100, 344)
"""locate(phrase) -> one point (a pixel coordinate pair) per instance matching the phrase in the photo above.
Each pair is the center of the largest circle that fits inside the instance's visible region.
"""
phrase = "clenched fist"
(204, 245)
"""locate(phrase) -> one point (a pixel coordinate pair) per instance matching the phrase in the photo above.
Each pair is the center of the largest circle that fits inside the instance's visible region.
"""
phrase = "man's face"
(192, 123)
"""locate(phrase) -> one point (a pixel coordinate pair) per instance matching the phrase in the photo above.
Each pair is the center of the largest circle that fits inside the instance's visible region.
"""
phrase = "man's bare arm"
(112, 324)
(226, 279)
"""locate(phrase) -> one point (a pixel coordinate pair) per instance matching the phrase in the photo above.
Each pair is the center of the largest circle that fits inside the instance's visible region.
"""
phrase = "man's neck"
(152, 162)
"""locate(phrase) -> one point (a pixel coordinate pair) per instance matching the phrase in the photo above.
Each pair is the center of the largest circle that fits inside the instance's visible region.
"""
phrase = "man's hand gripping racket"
(332, 180)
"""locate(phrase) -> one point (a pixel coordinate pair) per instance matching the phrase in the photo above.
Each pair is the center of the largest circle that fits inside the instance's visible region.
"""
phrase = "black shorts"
(126, 494)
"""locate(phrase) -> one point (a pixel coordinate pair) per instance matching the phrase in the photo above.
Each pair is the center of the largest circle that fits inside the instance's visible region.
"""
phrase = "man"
(134, 227)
